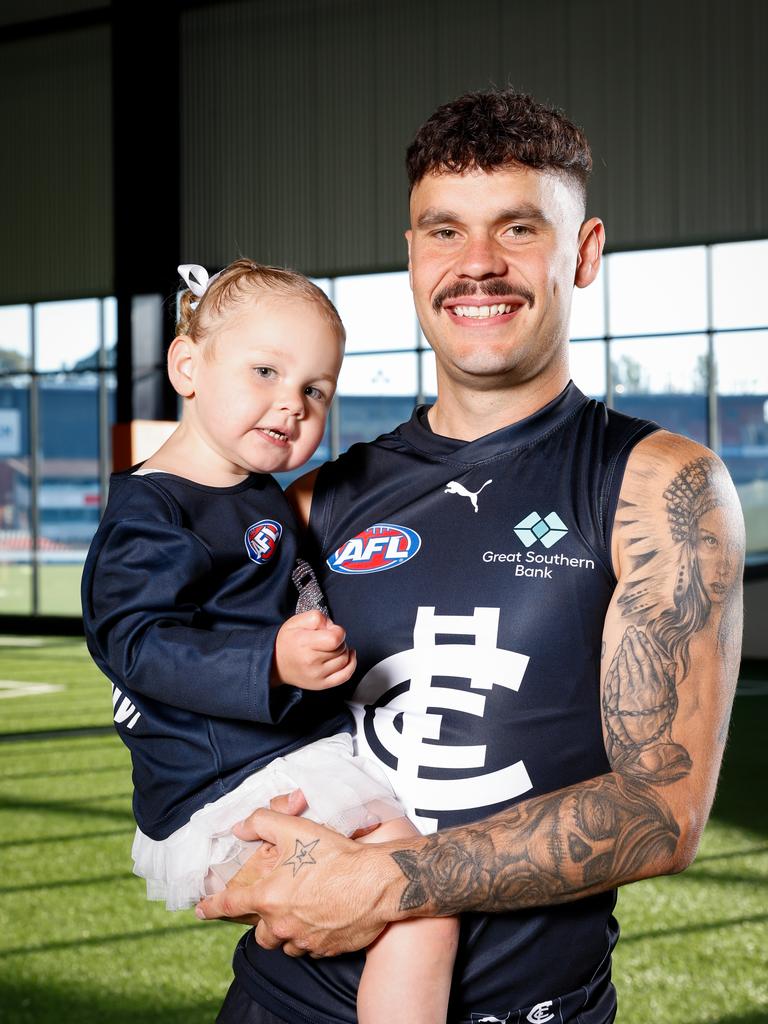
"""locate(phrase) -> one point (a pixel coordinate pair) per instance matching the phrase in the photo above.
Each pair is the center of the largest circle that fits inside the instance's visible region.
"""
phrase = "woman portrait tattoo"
(706, 568)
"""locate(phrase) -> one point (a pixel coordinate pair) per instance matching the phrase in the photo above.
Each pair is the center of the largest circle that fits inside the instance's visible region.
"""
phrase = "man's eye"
(445, 234)
(518, 231)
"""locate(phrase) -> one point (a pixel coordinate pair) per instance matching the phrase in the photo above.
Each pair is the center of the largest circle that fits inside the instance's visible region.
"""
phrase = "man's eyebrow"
(432, 216)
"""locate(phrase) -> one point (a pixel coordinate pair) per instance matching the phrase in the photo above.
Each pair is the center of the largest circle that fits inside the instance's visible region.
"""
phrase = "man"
(544, 597)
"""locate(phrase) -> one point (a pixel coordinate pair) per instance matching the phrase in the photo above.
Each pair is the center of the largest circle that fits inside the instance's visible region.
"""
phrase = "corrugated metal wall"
(55, 167)
(296, 115)
(13, 12)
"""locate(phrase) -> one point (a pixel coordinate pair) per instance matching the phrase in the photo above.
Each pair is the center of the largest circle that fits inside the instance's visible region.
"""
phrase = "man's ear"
(408, 237)
(591, 242)
(181, 360)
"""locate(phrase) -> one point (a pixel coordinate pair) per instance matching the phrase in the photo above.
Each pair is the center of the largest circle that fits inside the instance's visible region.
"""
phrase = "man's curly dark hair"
(490, 130)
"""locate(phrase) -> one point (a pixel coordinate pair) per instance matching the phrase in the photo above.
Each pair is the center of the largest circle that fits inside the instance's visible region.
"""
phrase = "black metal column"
(145, 103)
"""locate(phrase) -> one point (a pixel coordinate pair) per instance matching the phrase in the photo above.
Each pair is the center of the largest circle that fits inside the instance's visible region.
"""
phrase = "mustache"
(492, 288)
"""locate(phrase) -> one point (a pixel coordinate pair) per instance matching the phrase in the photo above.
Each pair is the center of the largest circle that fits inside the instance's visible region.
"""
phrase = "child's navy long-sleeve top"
(184, 589)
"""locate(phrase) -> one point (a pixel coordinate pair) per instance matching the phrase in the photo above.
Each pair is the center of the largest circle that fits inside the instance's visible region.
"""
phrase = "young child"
(219, 690)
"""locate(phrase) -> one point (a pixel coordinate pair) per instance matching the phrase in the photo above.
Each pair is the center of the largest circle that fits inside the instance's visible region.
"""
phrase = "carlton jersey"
(473, 579)
(184, 589)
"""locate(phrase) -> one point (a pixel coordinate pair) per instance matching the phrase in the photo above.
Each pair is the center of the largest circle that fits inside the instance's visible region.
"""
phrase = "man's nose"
(481, 257)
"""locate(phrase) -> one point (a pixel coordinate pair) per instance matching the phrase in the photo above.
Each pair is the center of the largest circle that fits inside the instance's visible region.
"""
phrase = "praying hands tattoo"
(680, 571)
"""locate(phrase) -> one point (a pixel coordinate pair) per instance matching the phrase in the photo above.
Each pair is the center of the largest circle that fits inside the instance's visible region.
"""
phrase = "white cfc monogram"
(408, 723)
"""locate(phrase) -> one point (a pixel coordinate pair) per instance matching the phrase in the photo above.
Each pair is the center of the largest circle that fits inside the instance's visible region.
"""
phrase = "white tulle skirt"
(343, 791)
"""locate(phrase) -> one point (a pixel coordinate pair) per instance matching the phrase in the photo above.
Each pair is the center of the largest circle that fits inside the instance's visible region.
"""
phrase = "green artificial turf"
(79, 943)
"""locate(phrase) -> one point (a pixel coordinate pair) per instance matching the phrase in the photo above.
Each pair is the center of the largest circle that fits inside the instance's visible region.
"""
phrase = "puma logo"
(453, 487)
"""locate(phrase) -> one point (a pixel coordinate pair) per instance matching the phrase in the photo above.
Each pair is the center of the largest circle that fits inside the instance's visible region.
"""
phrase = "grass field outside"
(59, 586)
(79, 944)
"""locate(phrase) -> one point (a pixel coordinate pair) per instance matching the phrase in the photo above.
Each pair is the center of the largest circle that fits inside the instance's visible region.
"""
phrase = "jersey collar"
(418, 433)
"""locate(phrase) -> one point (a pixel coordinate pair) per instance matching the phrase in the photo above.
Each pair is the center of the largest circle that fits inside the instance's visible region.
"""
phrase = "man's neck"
(467, 413)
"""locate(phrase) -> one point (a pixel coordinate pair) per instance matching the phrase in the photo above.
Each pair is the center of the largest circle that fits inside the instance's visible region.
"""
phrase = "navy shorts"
(239, 1008)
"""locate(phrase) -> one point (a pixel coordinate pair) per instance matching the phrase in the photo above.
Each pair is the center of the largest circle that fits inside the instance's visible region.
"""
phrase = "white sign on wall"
(10, 432)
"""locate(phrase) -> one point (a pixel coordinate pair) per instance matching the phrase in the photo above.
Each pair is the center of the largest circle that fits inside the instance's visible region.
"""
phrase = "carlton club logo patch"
(261, 540)
(379, 547)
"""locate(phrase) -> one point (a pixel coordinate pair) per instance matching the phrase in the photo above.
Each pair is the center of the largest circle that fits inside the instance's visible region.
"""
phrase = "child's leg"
(408, 969)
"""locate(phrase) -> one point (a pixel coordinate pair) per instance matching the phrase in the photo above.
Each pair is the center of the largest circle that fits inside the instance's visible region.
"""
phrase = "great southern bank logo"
(548, 530)
(261, 540)
(379, 547)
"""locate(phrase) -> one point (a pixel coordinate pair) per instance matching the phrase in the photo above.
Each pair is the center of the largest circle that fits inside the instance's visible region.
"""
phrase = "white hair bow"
(197, 279)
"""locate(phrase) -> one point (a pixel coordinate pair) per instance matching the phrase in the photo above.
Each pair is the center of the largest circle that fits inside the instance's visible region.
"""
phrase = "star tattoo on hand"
(302, 856)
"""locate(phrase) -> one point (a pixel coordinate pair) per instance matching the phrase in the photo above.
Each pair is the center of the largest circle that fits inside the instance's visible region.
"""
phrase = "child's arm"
(146, 631)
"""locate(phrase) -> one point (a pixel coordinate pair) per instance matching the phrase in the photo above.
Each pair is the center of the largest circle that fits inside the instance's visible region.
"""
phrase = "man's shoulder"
(671, 482)
(663, 452)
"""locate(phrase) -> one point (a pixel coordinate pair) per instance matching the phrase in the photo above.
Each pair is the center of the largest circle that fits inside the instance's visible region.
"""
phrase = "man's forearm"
(550, 849)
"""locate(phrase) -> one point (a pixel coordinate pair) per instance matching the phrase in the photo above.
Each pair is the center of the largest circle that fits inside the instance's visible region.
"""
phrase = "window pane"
(587, 359)
(15, 524)
(323, 283)
(379, 375)
(588, 310)
(15, 338)
(742, 404)
(67, 334)
(69, 498)
(659, 290)
(428, 376)
(739, 275)
(377, 310)
(665, 380)
(363, 419)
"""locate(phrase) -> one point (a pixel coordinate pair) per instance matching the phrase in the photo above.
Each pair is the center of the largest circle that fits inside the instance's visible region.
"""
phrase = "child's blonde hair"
(245, 279)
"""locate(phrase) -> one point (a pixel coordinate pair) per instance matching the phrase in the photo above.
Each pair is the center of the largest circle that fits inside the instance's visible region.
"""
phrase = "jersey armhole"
(320, 513)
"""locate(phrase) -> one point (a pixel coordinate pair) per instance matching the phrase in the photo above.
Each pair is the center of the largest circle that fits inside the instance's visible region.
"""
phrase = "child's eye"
(264, 371)
(312, 392)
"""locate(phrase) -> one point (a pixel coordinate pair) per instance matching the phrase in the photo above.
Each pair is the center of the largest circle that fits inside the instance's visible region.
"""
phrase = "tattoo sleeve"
(679, 583)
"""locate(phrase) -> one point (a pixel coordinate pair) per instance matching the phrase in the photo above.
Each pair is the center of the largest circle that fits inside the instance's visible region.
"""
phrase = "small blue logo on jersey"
(261, 540)
(379, 547)
(548, 530)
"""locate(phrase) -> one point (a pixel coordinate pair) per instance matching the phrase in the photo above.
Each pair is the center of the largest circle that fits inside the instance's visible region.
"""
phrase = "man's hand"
(309, 861)
(311, 653)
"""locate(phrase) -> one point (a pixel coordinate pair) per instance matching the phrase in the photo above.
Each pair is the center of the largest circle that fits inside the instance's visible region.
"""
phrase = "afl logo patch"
(379, 547)
(261, 540)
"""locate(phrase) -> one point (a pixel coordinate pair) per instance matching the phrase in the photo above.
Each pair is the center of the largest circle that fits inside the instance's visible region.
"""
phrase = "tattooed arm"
(671, 644)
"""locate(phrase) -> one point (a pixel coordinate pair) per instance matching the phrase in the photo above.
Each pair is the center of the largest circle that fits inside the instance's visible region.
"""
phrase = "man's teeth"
(481, 311)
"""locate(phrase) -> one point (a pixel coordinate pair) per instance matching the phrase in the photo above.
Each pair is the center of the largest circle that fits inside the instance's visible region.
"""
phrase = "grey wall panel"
(55, 167)
(296, 115)
(13, 12)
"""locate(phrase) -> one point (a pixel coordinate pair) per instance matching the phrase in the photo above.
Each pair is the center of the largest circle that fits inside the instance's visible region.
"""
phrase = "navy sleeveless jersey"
(184, 589)
(473, 579)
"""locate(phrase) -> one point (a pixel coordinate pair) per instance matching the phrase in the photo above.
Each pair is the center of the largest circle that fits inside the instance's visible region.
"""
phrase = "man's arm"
(669, 667)
(670, 658)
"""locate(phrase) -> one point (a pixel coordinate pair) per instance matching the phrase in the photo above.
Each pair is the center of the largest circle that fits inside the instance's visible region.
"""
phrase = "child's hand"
(310, 653)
